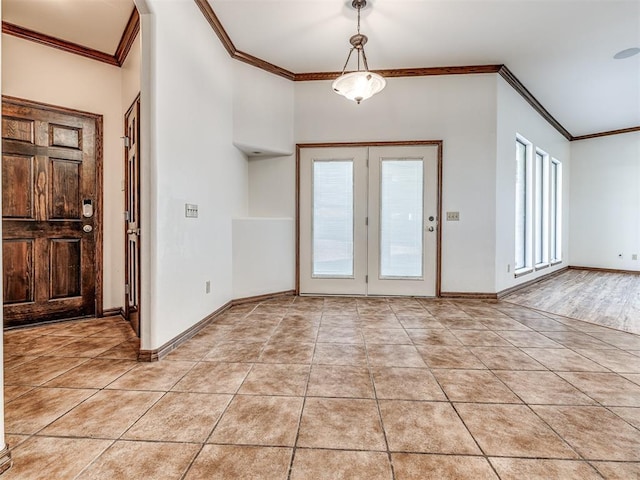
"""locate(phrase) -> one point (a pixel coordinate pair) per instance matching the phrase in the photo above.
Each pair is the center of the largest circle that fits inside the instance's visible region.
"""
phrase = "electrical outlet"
(453, 216)
(207, 286)
(634, 256)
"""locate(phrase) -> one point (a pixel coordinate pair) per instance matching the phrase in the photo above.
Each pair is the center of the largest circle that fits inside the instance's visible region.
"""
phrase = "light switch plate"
(453, 216)
(191, 210)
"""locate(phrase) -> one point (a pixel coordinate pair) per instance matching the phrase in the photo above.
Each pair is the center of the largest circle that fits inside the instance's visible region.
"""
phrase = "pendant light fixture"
(361, 84)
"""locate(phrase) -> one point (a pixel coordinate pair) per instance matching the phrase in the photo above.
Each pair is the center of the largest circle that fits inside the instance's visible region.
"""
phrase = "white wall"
(460, 110)
(262, 260)
(262, 111)
(605, 202)
(263, 129)
(514, 116)
(272, 187)
(60, 78)
(130, 76)
(190, 158)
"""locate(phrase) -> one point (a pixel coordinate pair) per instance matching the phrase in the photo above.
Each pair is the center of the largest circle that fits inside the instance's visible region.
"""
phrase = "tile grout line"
(304, 402)
(377, 400)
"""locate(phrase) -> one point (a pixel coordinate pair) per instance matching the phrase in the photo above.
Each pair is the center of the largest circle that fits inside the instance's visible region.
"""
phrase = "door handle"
(133, 231)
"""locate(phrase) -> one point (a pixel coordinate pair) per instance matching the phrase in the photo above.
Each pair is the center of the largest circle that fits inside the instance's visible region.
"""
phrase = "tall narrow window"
(522, 208)
(555, 211)
(332, 219)
(541, 209)
(401, 226)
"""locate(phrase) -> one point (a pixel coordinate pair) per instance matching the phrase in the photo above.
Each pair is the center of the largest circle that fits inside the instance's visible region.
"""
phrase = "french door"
(368, 220)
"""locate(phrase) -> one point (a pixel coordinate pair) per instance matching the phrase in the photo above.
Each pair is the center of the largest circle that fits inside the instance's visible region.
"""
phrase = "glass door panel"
(401, 228)
(333, 218)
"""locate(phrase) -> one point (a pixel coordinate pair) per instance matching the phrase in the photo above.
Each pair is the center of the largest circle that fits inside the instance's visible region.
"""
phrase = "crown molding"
(65, 46)
(406, 72)
(606, 134)
(116, 60)
(128, 37)
(222, 34)
(518, 86)
(217, 27)
(264, 65)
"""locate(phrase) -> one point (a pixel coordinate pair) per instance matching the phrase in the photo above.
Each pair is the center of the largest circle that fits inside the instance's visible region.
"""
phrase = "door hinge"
(127, 142)
(126, 289)
(366, 279)
(127, 216)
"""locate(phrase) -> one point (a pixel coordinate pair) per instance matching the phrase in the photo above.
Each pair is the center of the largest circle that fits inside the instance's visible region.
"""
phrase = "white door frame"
(437, 143)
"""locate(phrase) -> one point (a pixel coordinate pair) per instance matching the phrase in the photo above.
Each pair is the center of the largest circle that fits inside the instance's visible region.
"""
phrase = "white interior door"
(403, 202)
(368, 220)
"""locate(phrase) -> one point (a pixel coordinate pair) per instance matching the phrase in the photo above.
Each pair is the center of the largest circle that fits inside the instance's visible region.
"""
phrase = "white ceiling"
(96, 24)
(561, 50)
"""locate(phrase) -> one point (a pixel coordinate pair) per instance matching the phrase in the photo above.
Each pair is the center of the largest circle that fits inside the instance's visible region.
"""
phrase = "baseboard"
(5, 459)
(528, 283)
(159, 353)
(604, 270)
(113, 312)
(175, 342)
(469, 295)
(262, 298)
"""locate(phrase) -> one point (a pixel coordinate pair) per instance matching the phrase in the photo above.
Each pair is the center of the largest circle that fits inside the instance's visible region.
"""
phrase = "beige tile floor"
(330, 388)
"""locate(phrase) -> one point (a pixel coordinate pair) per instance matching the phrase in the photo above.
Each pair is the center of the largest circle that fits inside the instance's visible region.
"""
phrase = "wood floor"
(609, 299)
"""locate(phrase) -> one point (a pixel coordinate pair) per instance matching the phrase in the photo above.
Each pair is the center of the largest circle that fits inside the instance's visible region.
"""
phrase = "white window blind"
(401, 225)
(332, 218)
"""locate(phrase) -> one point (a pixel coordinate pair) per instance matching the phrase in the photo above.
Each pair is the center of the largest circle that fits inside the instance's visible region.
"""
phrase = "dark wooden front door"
(51, 200)
(132, 216)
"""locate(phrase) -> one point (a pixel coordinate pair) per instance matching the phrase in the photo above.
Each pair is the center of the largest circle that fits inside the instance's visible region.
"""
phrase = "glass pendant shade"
(358, 86)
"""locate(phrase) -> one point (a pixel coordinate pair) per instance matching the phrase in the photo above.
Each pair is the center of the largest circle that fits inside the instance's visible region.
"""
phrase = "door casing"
(438, 143)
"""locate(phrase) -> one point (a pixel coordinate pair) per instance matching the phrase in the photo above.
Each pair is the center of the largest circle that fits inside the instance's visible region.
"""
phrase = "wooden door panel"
(65, 136)
(17, 147)
(64, 179)
(18, 271)
(51, 164)
(18, 129)
(65, 267)
(17, 186)
(132, 205)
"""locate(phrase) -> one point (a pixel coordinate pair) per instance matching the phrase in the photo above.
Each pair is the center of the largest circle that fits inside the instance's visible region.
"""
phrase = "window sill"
(520, 273)
(542, 266)
(556, 262)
